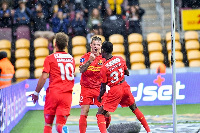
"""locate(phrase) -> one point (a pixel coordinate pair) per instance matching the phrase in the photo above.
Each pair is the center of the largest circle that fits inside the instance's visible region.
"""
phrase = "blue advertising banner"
(12, 106)
(147, 89)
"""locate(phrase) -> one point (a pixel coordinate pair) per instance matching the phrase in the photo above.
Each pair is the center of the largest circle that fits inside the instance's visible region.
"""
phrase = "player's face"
(95, 47)
(102, 53)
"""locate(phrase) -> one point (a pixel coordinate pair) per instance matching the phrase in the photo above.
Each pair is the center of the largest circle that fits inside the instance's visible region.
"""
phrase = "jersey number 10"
(64, 70)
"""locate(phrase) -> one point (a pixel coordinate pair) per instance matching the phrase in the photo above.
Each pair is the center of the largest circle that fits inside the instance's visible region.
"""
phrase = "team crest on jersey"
(100, 62)
(82, 60)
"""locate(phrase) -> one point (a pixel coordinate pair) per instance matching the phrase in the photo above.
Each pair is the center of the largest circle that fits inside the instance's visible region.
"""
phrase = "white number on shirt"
(65, 71)
(115, 74)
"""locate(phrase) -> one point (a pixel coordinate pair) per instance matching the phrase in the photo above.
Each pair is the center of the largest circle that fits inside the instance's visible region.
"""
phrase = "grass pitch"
(33, 121)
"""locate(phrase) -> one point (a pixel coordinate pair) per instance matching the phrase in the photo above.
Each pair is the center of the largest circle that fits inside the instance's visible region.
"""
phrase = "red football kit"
(90, 80)
(112, 73)
(61, 67)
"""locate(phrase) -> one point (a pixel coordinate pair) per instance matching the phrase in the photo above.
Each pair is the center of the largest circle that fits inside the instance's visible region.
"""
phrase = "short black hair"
(61, 40)
(3, 54)
(107, 47)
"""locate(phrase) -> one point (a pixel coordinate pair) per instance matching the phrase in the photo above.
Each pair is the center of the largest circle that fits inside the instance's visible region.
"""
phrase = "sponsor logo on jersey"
(93, 68)
(82, 60)
(100, 62)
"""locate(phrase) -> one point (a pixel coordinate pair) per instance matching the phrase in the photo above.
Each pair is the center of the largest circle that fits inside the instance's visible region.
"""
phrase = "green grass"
(33, 121)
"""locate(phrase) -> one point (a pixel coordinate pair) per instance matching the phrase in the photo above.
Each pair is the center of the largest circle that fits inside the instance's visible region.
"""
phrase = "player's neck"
(109, 57)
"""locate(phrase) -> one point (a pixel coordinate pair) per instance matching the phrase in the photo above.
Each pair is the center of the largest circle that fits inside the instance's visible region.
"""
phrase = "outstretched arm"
(84, 67)
(40, 84)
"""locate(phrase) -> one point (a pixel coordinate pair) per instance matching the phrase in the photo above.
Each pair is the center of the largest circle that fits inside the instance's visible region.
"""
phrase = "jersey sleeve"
(83, 60)
(46, 66)
(103, 75)
(124, 63)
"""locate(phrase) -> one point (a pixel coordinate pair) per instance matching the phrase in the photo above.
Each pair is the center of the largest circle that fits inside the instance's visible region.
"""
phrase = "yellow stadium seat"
(194, 63)
(77, 69)
(191, 35)
(22, 63)
(118, 48)
(22, 74)
(135, 48)
(66, 50)
(38, 72)
(77, 60)
(5, 44)
(116, 39)
(122, 55)
(178, 56)
(168, 36)
(41, 52)
(137, 58)
(154, 47)
(135, 38)
(177, 46)
(138, 66)
(102, 37)
(180, 64)
(155, 65)
(193, 55)
(22, 53)
(79, 41)
(79, 50)
(7, 51)
(38, 62)
(192, 45)
(156, 57)
(153, 37)
(22, 43)
(41, 43)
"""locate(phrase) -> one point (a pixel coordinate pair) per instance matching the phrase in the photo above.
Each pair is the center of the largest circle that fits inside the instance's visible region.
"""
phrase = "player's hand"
(92, 57)
(34, 98)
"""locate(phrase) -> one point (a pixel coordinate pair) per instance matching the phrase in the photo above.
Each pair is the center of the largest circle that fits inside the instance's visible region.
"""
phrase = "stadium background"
(143, 53)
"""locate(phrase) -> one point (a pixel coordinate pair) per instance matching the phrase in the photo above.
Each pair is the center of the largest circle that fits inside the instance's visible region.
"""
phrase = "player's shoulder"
(61, 55)
(122, 59)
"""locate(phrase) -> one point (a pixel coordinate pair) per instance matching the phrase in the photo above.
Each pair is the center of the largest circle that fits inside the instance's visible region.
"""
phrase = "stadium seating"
(122, 55)
(192, 45)
(79, 50)
(22, 74)
(194, 63)
(5, 44)
(135, 38)
(41, 52)
(22, 53)
(22, 63)
(191, 35)
(39, 62)
(137, 58)
(77, 59)
(116, 39)
(154, 47)
(178, 56)
(193, 55)
(40, 43)
(22, 43)
(156, 57)
(79, 41)
(118, 48)
(135, 48)
(138, 66)
(168, 37)
(38, 72)
(155, 65)
(6, 33)
(177, 46)
(153, 37)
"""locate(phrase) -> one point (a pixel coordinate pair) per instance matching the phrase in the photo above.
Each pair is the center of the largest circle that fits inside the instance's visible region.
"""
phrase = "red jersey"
(112, 72)
(91, 77)
(61, 67)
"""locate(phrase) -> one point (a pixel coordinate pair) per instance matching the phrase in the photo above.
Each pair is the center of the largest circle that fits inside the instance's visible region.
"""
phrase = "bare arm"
(84, 67)
(41, 82)
(102, 91)
(126, 72)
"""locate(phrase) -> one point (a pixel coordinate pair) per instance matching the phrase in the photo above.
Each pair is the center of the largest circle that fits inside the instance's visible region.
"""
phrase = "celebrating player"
(112, 74)
(90, 65)
(60, 66)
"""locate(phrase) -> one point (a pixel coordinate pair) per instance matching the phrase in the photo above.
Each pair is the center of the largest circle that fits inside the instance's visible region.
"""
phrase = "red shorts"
(58, 103)
(89, 96)
(118, 94)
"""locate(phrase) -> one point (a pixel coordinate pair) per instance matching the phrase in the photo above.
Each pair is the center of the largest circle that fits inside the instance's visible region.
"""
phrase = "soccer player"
(90, 65)
(60, 66)
(112, 74)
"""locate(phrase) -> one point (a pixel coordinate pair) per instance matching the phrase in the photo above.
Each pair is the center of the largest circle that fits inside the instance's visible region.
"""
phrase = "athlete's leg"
(60, 122)
(108, 119)
(101, 119)
(83, 118)
(48, 123)
(140, 116)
